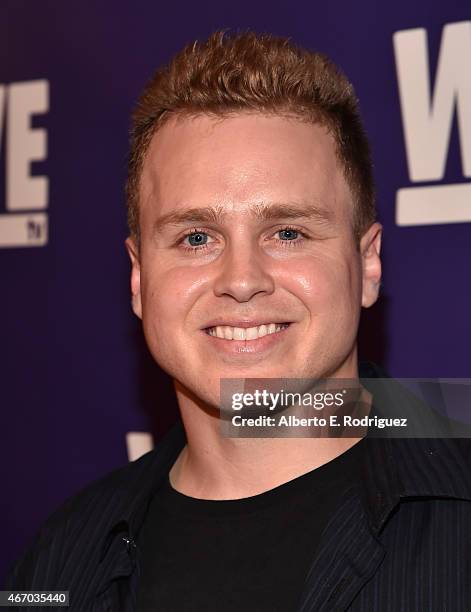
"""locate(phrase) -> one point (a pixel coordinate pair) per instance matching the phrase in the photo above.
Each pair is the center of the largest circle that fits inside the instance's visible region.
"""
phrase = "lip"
(247, 348)
(244, 323)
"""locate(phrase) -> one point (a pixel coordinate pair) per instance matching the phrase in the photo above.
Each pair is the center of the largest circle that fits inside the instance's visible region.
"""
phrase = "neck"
(215, 467)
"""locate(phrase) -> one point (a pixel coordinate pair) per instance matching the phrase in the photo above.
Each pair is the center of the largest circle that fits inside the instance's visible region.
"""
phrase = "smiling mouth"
(228, 332)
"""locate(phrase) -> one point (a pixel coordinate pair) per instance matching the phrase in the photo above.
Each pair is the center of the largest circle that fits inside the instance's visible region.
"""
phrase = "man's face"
(248, 266)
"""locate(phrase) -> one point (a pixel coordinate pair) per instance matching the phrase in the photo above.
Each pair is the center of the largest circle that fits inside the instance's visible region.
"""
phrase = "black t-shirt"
(250, 554)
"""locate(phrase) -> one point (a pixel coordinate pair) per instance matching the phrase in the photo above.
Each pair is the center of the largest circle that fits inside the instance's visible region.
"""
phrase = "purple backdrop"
(76, 376)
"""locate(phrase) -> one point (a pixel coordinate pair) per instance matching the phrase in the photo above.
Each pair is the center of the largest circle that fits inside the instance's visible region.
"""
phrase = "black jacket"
(399, 541)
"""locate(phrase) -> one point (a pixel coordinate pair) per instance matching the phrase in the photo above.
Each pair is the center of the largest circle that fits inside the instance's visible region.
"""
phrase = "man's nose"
(244, 273)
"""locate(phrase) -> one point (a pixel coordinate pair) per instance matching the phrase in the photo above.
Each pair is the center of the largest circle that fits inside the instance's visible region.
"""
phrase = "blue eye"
(288, 234)
(197, 239)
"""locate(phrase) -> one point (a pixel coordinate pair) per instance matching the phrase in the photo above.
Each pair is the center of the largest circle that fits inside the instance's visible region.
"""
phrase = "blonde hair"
(259, 73)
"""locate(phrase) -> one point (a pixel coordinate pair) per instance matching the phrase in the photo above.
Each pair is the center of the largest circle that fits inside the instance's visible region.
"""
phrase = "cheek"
(169, 295)
(333, 281)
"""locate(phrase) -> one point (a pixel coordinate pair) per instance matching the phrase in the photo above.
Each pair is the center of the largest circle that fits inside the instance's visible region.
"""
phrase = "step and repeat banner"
(79, 392)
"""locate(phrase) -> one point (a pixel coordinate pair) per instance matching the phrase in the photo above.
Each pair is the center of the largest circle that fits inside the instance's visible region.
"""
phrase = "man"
(254, 245)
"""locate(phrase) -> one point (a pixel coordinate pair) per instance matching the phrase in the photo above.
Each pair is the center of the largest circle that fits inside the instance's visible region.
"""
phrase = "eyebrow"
(263, 212)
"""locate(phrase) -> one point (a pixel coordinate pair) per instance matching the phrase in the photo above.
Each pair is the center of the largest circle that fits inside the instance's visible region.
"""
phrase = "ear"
(370, 247)
(133, 253)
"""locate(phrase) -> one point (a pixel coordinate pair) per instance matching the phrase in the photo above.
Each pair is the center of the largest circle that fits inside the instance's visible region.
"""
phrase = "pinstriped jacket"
(399, 541)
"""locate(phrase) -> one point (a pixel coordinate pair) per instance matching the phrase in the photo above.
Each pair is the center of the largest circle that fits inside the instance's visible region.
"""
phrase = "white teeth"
(262, 331)
(251, 333)
(238, 333)
(227, 332)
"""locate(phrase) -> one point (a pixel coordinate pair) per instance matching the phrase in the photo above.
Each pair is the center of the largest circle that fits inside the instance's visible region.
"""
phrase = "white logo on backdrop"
(25, 222)
(427, 118)
(138, 443)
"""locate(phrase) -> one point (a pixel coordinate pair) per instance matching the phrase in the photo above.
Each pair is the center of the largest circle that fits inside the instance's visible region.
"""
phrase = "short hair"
(248, 72)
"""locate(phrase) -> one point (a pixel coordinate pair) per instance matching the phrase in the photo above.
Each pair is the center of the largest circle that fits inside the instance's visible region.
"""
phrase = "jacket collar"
(140, 482)
(392, 469)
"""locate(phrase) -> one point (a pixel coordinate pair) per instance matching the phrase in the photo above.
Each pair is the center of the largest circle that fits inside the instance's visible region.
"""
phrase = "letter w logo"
(427, 118)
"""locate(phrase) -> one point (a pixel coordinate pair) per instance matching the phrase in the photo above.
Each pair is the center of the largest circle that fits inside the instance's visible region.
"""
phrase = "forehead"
(239, 162)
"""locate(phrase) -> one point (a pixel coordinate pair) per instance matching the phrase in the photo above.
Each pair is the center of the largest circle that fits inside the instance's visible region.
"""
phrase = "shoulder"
(72, 534)
(75, 517)
(433, 467)
(435, 481)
